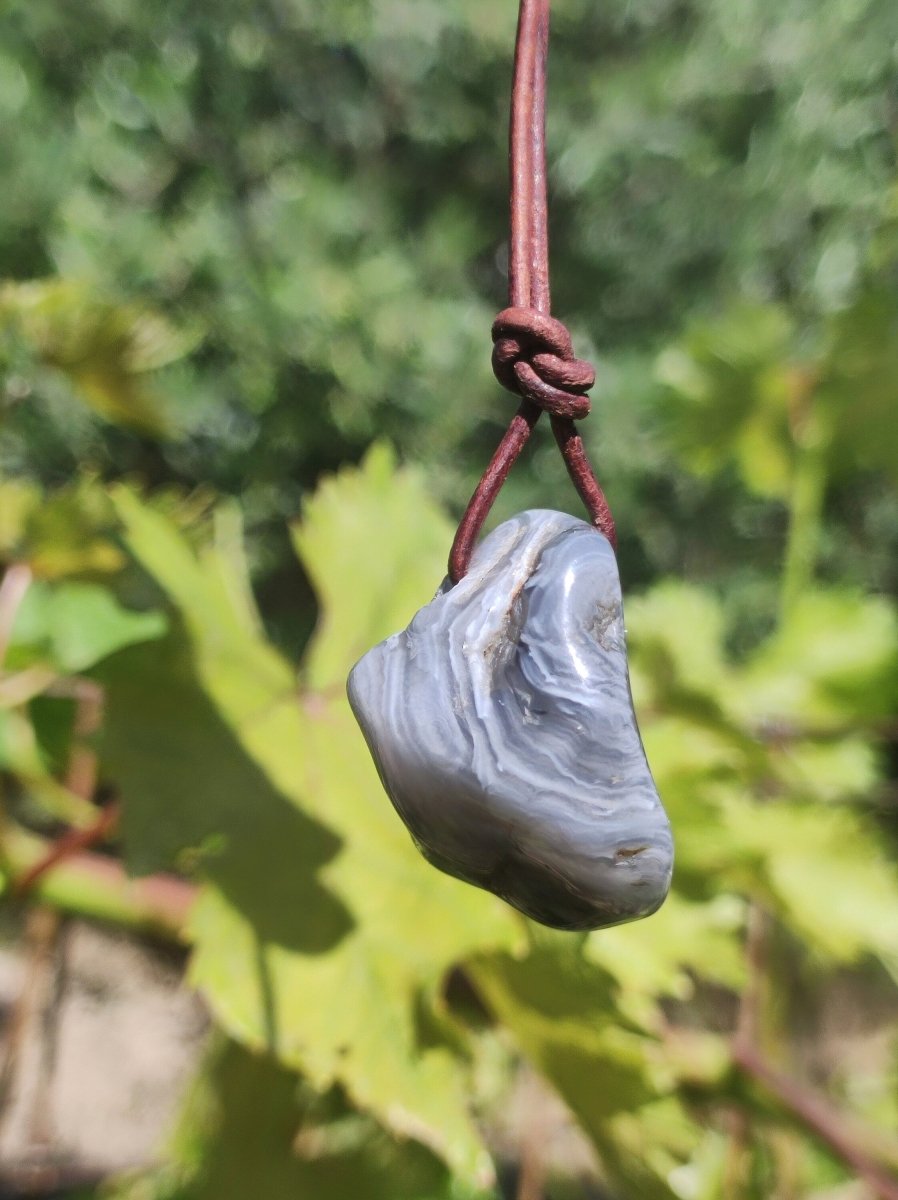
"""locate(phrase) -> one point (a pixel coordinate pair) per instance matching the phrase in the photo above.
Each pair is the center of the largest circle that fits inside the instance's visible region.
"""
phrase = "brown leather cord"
(532, 352)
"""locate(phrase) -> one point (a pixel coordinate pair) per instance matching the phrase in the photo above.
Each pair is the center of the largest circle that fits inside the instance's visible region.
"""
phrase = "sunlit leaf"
(827, 874)
(685, 626)
(375, 545)
(18, 500)
(835, 658)
(729, 385)
(318, 892)
(71, 532)
(72, 626)
(653, 958)
(561, 1011)
(252, 1126)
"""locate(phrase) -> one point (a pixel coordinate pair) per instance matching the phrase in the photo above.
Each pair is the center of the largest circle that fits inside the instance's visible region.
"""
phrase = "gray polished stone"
(502, 726)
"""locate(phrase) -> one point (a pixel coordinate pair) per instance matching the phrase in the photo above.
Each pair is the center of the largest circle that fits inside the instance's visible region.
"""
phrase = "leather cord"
(532, 351)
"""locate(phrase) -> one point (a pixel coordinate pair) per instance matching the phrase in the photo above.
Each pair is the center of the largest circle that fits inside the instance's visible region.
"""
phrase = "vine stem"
(94, 886)
(66, 846)
(823, 1120)
(15, 583)
(812, 437)
(806, 510)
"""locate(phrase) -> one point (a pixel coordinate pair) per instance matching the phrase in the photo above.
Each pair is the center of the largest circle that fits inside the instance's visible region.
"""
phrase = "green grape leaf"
(834, 659)
(18, 501)
(825, 873)
(375, 546)
(728, 386)
(322, 931)
(72, 626)
(733, 391)
(679, 669)
(70, 531)
(657, 957)
(252, 1127)
(844, 768)
(680, 626)
(561, 1010)
(349, 1014)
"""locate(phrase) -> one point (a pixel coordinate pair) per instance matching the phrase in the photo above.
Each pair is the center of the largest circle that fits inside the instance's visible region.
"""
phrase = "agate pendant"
(502, 725)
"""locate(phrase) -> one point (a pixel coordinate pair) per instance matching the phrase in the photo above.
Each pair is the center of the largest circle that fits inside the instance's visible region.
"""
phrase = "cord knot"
(533, 356)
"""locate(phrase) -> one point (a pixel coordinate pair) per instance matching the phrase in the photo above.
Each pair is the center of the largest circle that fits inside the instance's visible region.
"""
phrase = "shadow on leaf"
(194, 799)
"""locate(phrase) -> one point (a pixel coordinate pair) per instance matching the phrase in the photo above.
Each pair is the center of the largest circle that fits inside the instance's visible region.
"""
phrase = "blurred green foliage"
(316, 200)
(242, 243)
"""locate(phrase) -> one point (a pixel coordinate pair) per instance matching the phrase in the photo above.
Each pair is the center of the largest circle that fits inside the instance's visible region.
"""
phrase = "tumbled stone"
(502, 725)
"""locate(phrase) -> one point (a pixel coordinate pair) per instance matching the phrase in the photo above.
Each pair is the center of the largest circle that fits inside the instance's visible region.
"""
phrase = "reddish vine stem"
(532, 356)
(819, 1117)
(69, 844)
(81, 780)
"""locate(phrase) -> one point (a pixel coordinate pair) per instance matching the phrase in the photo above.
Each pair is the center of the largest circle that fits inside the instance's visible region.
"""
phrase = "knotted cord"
(532, 352)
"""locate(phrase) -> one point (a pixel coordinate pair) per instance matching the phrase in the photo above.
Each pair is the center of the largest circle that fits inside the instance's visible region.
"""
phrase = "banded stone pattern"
(502, 725)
